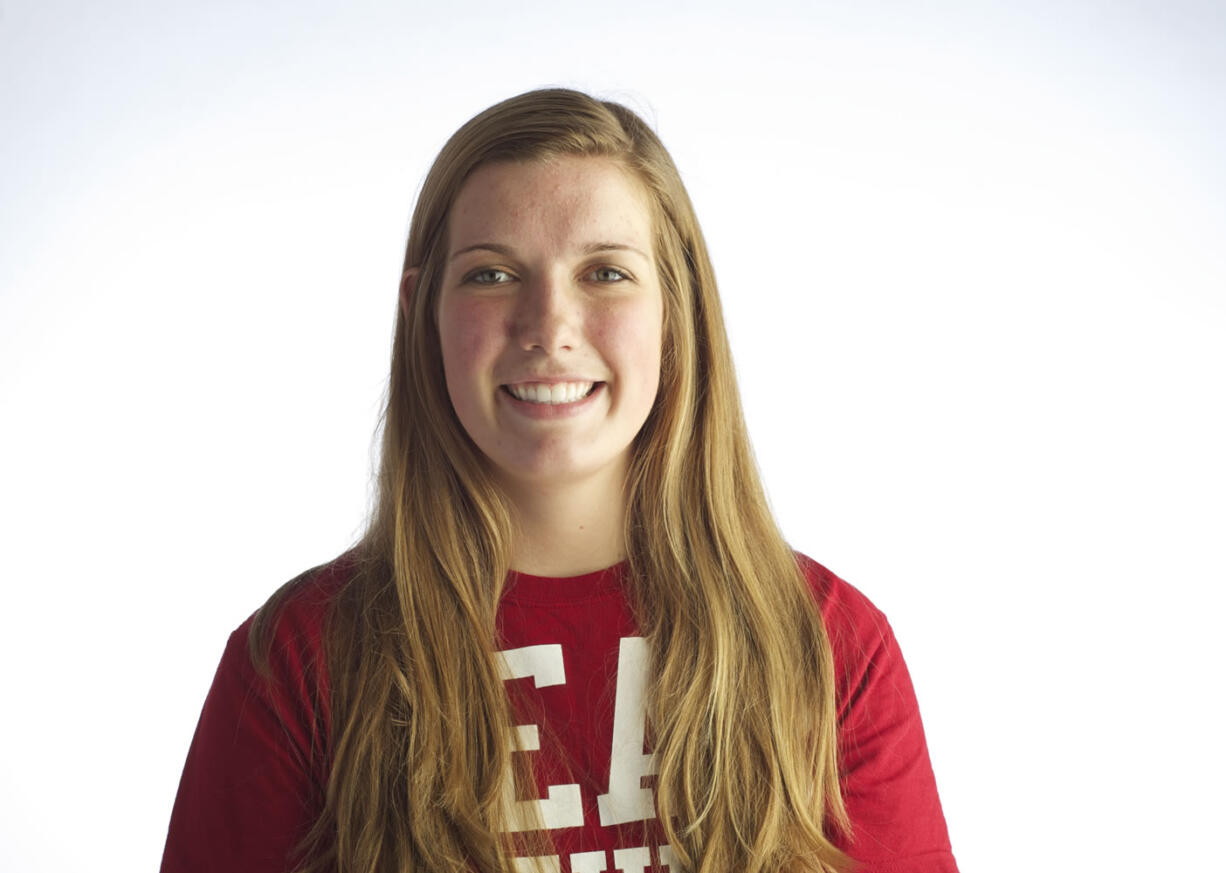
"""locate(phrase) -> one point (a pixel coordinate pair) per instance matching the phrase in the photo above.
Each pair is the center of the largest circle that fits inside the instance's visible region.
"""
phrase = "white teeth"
(560, 392)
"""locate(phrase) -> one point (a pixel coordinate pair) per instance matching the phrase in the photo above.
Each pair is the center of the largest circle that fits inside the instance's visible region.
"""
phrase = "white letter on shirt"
(627, 799)
(587, 862)
(634, 860)
(564, 806)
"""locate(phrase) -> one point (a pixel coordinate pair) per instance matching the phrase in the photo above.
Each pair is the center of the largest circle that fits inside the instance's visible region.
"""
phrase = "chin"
(552, 471)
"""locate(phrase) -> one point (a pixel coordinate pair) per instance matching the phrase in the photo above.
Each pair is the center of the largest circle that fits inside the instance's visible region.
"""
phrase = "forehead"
(551, 201)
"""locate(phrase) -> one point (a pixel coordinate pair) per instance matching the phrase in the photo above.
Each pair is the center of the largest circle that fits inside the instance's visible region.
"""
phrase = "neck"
(568, 530)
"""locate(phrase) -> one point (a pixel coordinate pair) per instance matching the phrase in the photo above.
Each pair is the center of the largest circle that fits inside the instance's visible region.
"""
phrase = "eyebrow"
(587, 249)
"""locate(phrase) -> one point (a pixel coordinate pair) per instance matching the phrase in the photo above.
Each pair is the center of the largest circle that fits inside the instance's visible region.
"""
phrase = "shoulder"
(282, 642)
(886, 776)
(868, 663)
(300, 607)
(257, 768)
(849, 616)
(274, 670)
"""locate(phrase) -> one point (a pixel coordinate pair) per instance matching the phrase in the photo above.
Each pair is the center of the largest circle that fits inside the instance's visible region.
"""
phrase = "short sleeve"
(888, 785)
(252, 787)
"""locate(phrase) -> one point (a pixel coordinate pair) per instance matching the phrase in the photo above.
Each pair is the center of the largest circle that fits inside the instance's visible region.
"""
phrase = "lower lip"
(551, 411)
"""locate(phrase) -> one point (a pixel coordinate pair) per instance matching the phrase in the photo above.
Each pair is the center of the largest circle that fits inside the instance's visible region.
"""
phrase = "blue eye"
(490, 276)
(609, 274)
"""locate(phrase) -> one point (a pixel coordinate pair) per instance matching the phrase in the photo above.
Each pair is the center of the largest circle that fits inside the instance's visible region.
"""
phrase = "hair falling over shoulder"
(741, 687)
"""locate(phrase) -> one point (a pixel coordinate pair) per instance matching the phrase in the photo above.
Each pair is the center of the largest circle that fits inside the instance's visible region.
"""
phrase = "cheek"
(460, 345)
(468, 340)
(636, 339)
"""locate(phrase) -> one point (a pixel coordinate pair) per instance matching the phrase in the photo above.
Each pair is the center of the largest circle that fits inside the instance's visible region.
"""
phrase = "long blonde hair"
(741, 692)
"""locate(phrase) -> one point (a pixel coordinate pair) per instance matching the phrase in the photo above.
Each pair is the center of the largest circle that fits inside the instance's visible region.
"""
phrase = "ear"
(408, 284)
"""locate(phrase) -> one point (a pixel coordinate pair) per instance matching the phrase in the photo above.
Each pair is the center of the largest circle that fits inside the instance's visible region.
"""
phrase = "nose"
(547, 315)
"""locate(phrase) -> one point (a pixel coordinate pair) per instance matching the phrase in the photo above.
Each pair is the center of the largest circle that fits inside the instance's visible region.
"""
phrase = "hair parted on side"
(741, 685)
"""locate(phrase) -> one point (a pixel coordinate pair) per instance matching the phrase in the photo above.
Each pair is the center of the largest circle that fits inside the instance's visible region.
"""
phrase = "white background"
(972, 259)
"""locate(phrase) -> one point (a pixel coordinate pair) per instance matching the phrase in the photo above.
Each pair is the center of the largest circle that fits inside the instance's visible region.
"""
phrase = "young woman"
(572, 638)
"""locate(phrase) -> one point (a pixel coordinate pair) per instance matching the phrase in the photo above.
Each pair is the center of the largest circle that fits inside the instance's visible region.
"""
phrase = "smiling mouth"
(553, 394)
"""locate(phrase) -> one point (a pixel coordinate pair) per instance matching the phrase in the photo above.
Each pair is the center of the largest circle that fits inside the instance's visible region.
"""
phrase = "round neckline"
(546, 590)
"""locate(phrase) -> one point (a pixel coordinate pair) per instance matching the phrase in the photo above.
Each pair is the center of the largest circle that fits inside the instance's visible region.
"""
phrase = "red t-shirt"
(253, 782)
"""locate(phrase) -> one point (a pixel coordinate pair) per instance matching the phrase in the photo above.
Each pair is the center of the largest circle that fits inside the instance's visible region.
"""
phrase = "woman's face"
(550, 318)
